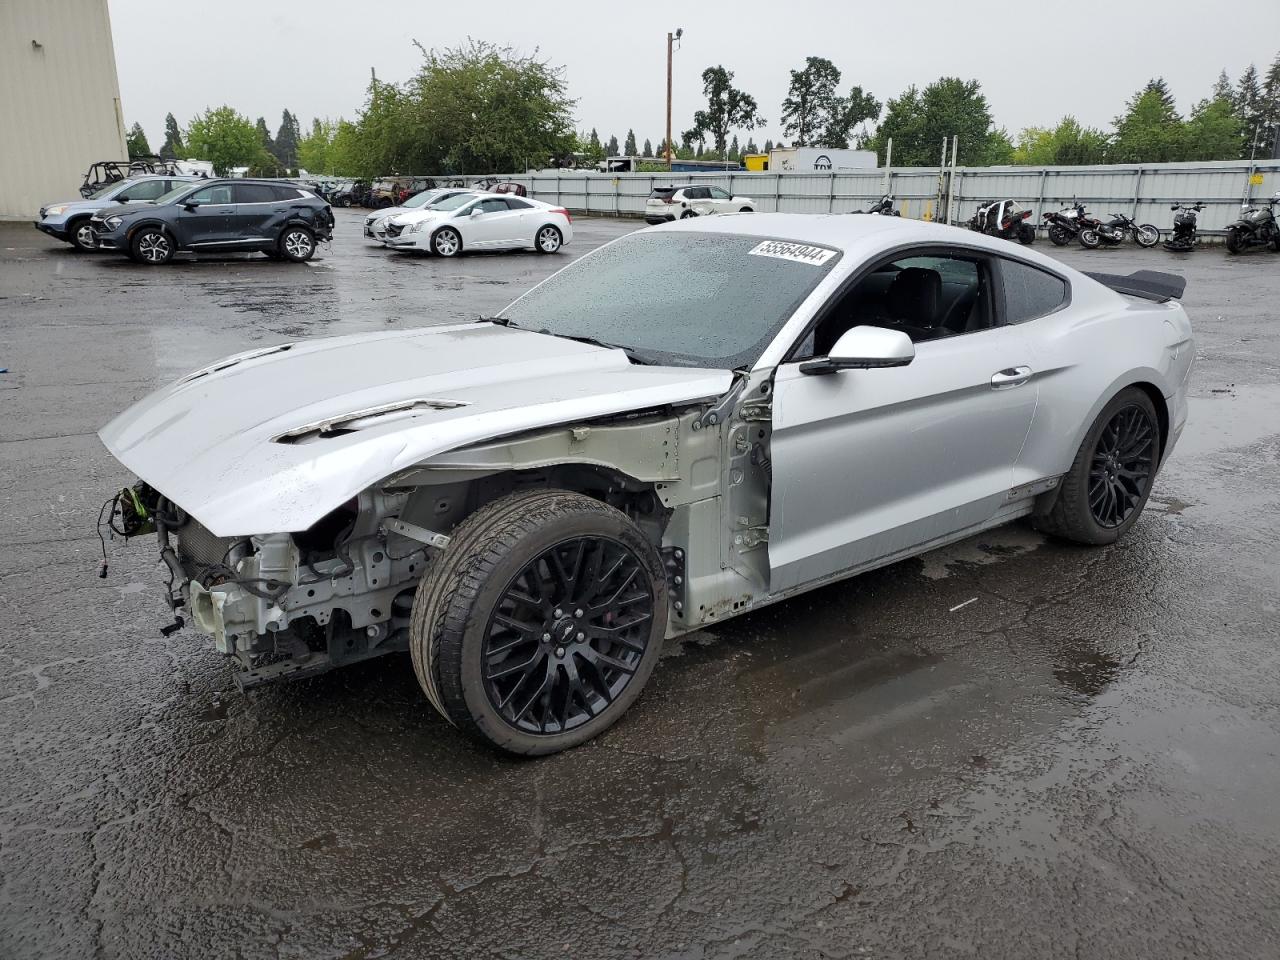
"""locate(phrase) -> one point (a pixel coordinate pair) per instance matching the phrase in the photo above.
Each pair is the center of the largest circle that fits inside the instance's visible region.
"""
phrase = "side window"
(253, 193)
(1030, 292)
(285, 194)
(493, 205)
(719, 194)
(927, 297)
(516, 204)
(146, 190)
(217, 193)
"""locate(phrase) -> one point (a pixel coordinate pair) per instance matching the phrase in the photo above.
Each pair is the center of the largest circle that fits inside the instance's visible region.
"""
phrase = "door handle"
(1010, 377)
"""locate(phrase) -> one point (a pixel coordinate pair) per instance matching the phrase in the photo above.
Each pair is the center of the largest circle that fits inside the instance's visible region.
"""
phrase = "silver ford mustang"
(688, 423)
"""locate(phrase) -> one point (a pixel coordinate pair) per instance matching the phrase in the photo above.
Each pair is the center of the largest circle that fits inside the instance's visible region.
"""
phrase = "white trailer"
(820, 159)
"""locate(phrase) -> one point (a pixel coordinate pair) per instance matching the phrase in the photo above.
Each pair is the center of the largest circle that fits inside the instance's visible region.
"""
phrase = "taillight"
(668, 199)
(1026, 214)
(566, 213)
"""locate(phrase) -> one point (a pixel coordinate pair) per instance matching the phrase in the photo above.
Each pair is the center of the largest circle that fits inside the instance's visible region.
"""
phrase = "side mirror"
(191, 204)
(477, 212)
(864, 348)
(121, 199)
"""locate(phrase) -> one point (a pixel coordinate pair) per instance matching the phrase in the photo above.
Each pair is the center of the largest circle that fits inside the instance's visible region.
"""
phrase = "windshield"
(421, 199)
(452, 203)
(174, 194)
(689, 299)
(106, 192)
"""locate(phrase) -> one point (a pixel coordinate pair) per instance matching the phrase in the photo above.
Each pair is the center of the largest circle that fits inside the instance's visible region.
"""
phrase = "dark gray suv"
(274, 217)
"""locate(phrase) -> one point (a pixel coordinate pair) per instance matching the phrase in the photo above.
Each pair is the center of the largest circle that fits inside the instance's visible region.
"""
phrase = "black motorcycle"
(1114, 233)
(1004, 219)
(1065, 225)
(883, 206)
(1184, 237)
(1256, 226)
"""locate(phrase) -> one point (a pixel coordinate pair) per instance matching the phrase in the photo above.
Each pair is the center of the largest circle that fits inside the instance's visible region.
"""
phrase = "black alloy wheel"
(1123, 462)
(567, 635)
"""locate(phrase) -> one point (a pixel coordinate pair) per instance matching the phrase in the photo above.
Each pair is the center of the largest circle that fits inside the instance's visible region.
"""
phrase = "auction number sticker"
(798, 252)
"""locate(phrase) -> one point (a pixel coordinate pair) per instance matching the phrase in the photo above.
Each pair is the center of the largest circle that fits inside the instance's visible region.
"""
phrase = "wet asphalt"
(1008, 748)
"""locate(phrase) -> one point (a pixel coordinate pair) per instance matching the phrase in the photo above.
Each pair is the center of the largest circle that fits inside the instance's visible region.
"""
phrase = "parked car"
(375, 224)
(68, 220)
(676, 203)
(530, 505)
(281, 220)
(481, 221)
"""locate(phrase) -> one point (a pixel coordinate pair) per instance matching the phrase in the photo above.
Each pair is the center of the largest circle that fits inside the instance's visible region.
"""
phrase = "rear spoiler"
(1147, 284)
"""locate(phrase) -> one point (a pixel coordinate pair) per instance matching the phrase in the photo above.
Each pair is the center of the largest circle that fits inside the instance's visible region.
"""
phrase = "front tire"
(82, 236)
(687, 214)
(1059, 236)
(447, 242)
(151, 246)
(548, 240)
(297, 244)
(1089, 239)
(539, 625)
(1026, 235)
(1103, 493)
(1235, 241)
(1147, 235)
(746, 210)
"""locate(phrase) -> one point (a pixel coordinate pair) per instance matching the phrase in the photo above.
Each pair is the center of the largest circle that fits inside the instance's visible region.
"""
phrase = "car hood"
(81, 206)
(271, 440)
(418, 216)
(386, 212)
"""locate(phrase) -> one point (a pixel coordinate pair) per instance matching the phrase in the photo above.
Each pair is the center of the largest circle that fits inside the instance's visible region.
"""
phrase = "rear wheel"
(297, 244)
(1089, 239)
(82, 235)
(1103, 493)
(541, 622)
(1026, 234)
(1235, 241)
(548, 240)
(151, 246)
(447, 242)
(746, 210)
(1146, 235)
(687, 214)
(1060, 236)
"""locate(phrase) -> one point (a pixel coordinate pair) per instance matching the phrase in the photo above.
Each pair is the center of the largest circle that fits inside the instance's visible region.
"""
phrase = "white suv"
(675, 203)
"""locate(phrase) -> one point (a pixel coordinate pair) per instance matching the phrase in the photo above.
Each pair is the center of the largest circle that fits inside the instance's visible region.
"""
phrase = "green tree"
(287, 138)
(1271, 108)
(1222, 89)
(846, 114)
(611, 149)
(264, 136)
(917, 120)
(1066, 144)
(629, 147)
(136, 140)
(1213, 132)
(751, 146)
(225, 138)
(768, 145)
(1248, 100)
(735, 151)
(648, 148)
(1150, 130)
(316, 148)
(811, 100)
(728, 108)
(173, 146)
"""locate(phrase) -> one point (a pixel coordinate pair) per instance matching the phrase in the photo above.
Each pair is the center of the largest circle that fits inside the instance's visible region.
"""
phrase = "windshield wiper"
(631, 354)
(500, 321)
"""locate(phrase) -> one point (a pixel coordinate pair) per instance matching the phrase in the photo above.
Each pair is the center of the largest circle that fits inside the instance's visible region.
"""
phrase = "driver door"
(497, 225)
(211, 221)
(869, 464)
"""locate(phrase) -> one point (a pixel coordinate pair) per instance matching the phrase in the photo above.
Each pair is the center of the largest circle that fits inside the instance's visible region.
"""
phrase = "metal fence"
(1142, 191)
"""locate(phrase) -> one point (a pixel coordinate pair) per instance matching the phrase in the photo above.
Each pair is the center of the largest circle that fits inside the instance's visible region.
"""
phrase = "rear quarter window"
(1030, 292)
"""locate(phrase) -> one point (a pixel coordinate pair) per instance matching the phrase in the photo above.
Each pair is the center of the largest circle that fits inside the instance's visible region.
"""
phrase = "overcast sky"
(1036, 59)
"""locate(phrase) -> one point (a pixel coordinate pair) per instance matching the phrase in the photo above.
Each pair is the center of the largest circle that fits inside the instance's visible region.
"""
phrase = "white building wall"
(59, 100)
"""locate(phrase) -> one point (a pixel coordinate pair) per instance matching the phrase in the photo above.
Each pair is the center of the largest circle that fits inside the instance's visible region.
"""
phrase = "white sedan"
(481, 221)
(375, 224)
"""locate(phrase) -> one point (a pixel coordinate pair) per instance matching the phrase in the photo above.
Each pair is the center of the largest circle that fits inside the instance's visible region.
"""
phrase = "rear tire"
(549, 239)
(1146, 235)
(297, 244)
(1103, 493)
(1059, 236)
(1235, 242)
(687, 214)
(1026, 234)
(746, 210)
(493, 635)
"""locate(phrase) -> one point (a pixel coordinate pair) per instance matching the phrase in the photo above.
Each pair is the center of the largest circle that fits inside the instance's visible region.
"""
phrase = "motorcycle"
(1065, 225)
(883, 206)
(1005, 219)
(1184, 237)
(1255, 226)
(1113, 233)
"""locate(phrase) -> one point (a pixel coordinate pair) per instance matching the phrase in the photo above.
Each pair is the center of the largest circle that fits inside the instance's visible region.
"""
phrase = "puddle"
(1223, 421)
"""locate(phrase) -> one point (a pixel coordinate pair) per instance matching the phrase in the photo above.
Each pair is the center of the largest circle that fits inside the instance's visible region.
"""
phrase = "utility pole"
(671, 39)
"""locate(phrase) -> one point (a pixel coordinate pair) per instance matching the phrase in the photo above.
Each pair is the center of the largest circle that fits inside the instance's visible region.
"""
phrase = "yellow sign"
(1256, 180)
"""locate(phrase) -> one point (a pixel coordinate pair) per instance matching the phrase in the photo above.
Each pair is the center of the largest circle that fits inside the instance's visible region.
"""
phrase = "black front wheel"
(1060, 236)
(1103, 493)
(539, 625)
(1026, 234)
(1089, 239)
(1235, 240)
(1146, 235)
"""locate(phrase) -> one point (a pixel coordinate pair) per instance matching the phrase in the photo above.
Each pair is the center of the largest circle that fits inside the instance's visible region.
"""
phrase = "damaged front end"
(288, 604)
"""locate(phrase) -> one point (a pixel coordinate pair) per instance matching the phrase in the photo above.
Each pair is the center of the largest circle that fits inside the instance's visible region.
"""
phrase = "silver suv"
(68, 221)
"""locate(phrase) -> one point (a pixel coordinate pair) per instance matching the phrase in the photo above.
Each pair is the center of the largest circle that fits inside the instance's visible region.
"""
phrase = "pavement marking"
(965, 604)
